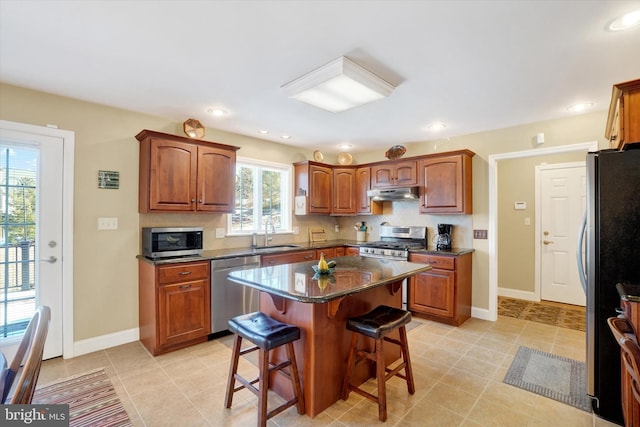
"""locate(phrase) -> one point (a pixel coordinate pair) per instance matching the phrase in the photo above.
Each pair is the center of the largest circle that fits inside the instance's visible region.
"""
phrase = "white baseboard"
(103, 342)
(514, 293)
(480, 313)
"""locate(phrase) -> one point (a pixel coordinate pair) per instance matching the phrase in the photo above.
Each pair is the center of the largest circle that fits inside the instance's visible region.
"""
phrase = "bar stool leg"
(233, 368)
(346, 387)
(295, 378)
(380, 377)
(408, 370)
(263, 360)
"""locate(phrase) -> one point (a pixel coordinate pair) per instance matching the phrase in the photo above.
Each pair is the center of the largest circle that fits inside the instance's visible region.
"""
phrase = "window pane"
(271, 206)
(242, 218)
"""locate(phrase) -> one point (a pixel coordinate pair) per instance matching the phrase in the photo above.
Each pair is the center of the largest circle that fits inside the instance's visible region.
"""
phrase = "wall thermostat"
(519, 206)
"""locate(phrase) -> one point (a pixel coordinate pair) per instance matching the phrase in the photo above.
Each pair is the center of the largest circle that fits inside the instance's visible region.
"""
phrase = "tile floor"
(458, 374)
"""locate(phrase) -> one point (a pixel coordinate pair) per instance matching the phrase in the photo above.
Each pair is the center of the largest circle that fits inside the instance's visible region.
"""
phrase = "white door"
(562, 204)
(32, 231)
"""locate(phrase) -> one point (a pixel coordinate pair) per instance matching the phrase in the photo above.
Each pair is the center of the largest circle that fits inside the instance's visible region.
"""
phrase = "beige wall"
(105, 288)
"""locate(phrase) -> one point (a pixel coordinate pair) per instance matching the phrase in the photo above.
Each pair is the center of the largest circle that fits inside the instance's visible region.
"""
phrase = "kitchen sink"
(275, 248)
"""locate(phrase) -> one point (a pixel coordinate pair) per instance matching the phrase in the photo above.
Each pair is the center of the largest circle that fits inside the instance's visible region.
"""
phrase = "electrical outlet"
(107, 223)
(479, 234)
(527, 221)
(296, 230)
(219, 233)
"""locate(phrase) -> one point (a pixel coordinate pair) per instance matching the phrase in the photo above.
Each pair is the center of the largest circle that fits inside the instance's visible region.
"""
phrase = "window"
(263, 196)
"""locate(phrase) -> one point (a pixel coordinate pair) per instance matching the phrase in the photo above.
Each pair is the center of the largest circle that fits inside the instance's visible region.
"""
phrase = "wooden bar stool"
(266, 334)
(377, 324)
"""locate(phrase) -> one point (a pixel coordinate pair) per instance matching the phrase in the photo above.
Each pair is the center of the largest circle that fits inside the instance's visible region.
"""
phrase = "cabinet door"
(446, 183)
(216, 179)
(183, 311)
(352, 251)
(320, 183)
(288, 258)
(328, 252)
(344, 191)
(433, 292)
(382, 176)
(406, 173)
(172, 175)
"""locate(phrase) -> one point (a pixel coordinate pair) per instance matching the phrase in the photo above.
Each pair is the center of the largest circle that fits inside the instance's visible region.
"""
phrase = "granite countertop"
(276, 249)
(352, 275)
(629, 291)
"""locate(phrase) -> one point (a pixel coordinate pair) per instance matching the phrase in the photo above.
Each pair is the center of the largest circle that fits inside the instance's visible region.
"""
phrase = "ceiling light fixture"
(579, 107)
(436, 127)
(345, 146)
(264, 132)
(338, 86)
(626, 21)
(285, 137)
(218, 112)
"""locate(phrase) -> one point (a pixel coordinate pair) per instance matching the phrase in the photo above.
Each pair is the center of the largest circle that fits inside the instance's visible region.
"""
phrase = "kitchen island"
(319, 305)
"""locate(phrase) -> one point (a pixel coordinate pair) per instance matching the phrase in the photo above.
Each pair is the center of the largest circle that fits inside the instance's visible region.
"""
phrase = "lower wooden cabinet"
(443, 293)
(288, 257)
(174, 305)
(352, 251)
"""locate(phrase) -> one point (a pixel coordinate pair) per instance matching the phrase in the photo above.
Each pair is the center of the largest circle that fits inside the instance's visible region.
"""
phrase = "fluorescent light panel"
(338, 86)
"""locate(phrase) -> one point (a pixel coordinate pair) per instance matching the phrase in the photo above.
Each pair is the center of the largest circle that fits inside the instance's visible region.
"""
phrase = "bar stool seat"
(266, 334)
(377, 324)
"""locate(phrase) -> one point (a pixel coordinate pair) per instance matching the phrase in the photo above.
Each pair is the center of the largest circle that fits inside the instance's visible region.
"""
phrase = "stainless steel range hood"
(396, 194)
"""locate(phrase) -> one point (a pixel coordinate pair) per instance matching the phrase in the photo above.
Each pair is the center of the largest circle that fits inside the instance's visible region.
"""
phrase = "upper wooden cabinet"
(401, 173)
(623, 122)
(344, 191)
(446, 182)
(364, 205)
(316, 181)
(183, 175)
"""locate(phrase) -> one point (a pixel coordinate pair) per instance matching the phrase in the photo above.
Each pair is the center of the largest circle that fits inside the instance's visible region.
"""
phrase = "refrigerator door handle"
(579, 257)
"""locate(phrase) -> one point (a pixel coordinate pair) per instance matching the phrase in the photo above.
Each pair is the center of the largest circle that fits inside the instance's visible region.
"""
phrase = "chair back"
(30, 352)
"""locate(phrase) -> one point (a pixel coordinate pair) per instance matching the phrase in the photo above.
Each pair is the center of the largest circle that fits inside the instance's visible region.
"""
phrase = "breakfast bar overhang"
(319, 305)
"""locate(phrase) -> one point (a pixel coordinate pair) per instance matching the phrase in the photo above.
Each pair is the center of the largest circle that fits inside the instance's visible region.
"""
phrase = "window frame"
(286, 202)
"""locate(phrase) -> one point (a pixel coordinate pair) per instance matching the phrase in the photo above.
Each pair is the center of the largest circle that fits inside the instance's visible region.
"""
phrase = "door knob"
(50, 260)
(546, 242)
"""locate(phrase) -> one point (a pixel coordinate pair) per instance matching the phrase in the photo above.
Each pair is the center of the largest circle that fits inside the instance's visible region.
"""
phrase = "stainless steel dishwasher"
(230, 299)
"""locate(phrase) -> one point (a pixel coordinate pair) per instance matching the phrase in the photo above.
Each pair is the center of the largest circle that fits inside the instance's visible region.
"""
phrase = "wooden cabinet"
(316, 181)
(328, 252)
(288, 257)
(182, 175)
(443, 293)
(352, 251)
(623, 121)
(174, 305)
(446, 182)
(364, 204)
(401, 173)
(344, 191)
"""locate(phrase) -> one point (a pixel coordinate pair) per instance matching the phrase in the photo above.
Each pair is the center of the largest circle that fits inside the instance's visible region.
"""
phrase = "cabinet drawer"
(440, 262)
(183, 272)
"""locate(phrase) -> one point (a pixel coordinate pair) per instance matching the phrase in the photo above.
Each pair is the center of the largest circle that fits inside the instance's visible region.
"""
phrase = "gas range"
(395, 242)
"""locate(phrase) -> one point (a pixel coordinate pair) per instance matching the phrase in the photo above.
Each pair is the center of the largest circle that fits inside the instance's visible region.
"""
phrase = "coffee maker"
(443, 240)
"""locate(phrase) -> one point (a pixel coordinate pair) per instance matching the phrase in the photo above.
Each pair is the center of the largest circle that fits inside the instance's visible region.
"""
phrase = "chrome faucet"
(268, 222)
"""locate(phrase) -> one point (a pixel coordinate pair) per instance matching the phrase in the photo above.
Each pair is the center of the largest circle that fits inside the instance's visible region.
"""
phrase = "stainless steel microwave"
(171, 241)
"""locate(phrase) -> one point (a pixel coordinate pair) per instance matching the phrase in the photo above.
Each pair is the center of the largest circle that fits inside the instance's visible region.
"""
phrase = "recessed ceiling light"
(579, 107)
(626, 21)
(345, 146)
(218, 112)
(264, 132)
(436, 126)
(285, 137)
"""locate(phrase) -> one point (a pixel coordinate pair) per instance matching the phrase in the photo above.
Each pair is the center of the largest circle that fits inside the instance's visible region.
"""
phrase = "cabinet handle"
(184, 273)
(201, 201)
(308, 257)
(193, 200)
(185, 286)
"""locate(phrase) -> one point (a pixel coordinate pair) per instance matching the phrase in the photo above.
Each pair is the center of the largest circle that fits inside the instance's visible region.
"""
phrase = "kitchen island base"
(323, 348)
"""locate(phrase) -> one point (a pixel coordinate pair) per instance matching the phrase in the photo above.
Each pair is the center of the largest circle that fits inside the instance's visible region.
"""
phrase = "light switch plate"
(479, 234)
(107, 223)
(219, 233)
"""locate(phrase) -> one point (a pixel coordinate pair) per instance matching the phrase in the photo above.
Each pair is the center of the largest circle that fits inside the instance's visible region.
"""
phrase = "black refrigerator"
(612, 255)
